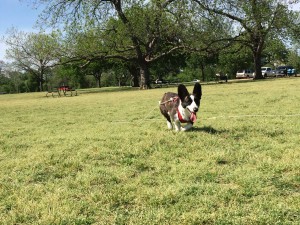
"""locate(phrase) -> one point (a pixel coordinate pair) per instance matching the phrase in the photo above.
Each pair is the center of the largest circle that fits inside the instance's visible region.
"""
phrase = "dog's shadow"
(208, 129)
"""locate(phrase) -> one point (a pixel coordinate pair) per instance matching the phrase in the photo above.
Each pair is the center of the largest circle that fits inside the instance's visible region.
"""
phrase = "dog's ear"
(182, 92)
(197, 92)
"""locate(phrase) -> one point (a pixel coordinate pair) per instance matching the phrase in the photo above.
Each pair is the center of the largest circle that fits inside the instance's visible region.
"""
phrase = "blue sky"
(18, 14)
(21, 15)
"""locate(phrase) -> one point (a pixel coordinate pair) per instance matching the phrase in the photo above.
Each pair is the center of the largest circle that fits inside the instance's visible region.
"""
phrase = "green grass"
(108, 158)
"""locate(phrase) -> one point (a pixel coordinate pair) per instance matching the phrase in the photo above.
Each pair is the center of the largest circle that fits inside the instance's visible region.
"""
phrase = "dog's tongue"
(193, 117)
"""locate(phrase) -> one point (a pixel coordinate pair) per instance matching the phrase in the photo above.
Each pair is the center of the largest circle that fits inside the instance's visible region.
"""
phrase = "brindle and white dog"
(182, 107)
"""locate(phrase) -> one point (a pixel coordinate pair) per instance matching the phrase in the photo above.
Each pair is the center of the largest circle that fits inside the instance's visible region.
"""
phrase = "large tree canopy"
(158, 36)
(254, 21)
(143, 26)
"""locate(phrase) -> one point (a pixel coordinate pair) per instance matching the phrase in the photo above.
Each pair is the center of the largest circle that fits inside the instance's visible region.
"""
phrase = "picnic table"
(62, 89)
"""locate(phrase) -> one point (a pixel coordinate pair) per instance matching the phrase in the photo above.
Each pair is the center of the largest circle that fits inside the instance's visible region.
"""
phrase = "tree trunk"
(257, 65)
(134, 71)
(144, 70)
(41, 80)
(145, 76)
(98, 78)
(135, 81)
(257, 49)
(202, 71)
(99, 82)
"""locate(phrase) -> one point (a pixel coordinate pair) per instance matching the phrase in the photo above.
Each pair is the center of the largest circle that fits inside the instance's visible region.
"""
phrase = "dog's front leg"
(169, 124)
(187, 127)
(177, 125)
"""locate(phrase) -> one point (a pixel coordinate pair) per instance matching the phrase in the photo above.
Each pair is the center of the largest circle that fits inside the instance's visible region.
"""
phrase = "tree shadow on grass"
(208, 129)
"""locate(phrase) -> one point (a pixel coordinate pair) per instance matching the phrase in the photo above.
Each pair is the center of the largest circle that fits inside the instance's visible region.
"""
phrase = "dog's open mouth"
(193, 116)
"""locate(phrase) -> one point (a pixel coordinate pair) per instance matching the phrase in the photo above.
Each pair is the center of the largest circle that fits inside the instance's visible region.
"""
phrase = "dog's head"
(190, 101)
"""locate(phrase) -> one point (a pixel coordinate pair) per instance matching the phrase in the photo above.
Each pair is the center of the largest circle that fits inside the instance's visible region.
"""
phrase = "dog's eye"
(188, 100)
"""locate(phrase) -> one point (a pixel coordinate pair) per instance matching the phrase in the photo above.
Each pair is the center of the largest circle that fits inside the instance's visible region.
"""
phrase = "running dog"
(181, 108)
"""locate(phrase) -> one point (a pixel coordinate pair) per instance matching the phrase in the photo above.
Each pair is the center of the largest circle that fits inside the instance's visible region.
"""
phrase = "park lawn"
(108, 158)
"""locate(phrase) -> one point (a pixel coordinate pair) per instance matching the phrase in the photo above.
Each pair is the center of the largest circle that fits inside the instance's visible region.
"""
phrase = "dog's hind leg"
(177, 125)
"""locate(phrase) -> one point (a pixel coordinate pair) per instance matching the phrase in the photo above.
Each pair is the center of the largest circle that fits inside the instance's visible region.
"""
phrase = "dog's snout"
(195, 109)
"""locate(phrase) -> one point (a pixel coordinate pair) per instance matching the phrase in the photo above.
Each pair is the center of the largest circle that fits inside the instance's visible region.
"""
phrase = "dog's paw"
(184, 129)
(187, 127)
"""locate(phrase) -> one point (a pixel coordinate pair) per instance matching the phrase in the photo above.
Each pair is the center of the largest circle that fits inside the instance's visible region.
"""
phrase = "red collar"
(181, 118)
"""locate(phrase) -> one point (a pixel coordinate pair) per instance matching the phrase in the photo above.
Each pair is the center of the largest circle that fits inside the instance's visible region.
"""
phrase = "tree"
(2, 65)
(33, 53)
(234, 58)
(294, 59)
(96, 68)
(70, 74)
(275, 52)
(145, 32)
(4, 83)
(254, 21)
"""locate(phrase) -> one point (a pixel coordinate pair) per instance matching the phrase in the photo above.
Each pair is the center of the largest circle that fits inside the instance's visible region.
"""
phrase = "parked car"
(266, 71)
(291, 72)
(244, 74)
(274, 73)
(282, 70)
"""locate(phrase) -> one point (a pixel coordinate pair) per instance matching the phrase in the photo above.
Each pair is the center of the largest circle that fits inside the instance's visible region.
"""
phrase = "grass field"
(107, 158)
